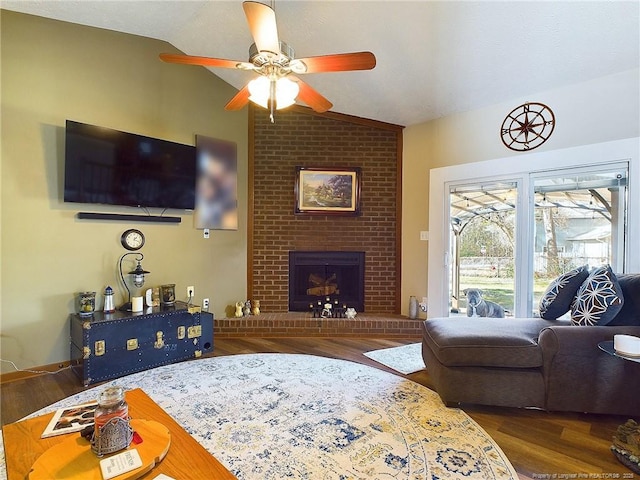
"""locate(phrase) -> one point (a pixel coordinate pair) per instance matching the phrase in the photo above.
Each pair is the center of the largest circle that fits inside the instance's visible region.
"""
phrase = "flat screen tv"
(111, 167)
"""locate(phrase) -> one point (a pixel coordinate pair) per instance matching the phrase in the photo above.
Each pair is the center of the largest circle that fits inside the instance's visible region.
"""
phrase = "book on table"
(70, 419)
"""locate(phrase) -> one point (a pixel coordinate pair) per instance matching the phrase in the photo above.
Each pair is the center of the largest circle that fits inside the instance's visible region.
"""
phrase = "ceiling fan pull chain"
(272, 99)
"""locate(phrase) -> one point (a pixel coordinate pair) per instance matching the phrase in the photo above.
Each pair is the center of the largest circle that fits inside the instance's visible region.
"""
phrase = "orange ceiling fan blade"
(262, 24)
(205, 61)
(340, 62)
(239, 100)
(311, 97)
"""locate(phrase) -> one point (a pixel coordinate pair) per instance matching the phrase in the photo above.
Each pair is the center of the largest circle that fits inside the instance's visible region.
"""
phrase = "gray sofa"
(532, 362)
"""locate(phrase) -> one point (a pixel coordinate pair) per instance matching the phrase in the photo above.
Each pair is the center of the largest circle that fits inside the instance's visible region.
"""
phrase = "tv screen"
(117, 168)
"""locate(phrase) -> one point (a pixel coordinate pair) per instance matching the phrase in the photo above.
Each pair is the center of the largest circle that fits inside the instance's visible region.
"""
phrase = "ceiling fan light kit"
(273, 60)
(286, 92)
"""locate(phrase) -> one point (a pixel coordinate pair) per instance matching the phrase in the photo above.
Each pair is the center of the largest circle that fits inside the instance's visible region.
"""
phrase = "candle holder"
(316, 309)
(329, 308)
(86, 303)
(168, 294)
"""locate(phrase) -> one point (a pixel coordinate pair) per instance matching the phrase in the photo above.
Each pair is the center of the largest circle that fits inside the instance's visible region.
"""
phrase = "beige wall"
(594, 111)
(53, 71)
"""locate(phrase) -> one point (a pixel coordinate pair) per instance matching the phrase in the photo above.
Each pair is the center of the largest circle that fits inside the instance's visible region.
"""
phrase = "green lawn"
(499, 290)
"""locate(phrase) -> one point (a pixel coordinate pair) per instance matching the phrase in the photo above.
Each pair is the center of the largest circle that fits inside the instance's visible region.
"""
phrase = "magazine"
(70, 419)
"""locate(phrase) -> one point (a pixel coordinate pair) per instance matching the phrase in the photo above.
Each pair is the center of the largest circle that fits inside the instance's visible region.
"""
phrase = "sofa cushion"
(557, 299)
(487, 342)
(599, 298)
(630, 312)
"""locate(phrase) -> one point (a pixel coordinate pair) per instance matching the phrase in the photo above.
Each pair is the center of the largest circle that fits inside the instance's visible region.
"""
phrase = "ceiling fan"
(274, 61)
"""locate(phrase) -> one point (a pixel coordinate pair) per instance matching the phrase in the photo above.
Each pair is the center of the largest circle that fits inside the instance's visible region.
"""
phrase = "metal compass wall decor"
(527, 127)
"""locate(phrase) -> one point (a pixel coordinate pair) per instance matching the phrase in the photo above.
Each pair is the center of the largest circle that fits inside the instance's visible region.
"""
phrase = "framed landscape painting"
(327, 191)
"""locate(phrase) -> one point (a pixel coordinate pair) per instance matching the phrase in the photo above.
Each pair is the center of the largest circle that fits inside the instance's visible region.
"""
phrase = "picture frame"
(328, 191)
(216, 205)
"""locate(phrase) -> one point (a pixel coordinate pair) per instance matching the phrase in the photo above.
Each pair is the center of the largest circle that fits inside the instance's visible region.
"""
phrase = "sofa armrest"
(569, 337)
(578, 374)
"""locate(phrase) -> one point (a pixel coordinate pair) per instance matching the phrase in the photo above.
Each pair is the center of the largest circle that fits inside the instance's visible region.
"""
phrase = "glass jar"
(112, 431)
(168, 294)
(86, 303)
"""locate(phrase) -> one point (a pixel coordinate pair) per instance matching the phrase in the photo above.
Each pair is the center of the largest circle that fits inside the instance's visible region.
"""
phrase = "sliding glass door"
(510, 250)
(580, 218)
(483, 241)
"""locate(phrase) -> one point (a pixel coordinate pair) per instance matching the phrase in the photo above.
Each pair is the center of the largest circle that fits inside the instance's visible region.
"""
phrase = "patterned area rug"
(405, 359)
(275, 416)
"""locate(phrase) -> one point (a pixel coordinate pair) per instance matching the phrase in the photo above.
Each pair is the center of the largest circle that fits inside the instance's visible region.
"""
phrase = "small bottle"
(109, 305)
(112, 431)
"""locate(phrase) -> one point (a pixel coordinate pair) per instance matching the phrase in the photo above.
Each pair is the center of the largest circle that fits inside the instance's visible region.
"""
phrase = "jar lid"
(111, 395)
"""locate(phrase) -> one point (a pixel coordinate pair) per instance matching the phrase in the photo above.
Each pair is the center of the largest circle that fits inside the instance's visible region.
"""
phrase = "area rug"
(275, 416)
(404, 359)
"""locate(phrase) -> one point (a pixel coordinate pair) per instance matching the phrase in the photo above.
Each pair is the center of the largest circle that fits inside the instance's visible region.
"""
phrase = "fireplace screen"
(314, 276)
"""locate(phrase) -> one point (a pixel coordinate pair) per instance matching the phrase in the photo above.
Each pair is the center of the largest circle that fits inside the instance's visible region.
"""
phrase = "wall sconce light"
(138, 278)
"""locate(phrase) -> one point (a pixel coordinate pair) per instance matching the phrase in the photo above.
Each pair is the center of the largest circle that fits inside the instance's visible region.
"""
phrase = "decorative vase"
(413, 307)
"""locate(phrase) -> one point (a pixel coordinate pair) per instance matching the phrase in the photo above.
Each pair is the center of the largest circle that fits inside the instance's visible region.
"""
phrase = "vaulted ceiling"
(433, 58)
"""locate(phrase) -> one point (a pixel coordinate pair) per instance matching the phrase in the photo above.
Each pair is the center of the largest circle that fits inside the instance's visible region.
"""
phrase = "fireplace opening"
(314, 276)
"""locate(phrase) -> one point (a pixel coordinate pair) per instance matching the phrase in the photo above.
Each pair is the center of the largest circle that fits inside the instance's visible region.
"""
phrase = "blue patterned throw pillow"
(557, 299)
(599, 298)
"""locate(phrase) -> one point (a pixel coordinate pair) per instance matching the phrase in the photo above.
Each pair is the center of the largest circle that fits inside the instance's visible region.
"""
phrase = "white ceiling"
(434, 58)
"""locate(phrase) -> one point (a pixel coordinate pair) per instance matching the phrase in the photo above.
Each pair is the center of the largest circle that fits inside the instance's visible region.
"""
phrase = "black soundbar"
(128, 218)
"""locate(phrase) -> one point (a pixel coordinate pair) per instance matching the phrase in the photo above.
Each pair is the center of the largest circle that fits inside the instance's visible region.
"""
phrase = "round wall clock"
(132, 239)
(527, 127)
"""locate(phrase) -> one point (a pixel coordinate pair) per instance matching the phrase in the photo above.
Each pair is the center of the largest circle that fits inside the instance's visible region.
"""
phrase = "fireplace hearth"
(315, 276)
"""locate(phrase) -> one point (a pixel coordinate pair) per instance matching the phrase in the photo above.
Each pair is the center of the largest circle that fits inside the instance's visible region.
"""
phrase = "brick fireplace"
(300, 137)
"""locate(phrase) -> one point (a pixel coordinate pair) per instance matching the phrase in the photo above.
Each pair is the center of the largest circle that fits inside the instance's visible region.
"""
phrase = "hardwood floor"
(567, 445)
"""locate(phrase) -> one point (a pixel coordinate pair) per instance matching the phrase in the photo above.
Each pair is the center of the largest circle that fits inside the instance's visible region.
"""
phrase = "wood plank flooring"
(567, 445)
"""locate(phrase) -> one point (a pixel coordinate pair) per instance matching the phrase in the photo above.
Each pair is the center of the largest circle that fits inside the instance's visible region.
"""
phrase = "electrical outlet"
(205, 233)
(424, 235)
(191, 292)
(205, 304)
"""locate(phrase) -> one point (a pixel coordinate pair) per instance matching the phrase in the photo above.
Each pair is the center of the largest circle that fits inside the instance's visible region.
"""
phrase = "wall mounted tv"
(111, 167)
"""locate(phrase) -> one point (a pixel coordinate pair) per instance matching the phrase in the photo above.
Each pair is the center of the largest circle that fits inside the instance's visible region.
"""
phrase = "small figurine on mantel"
(239, 306)
(326, 311)
(255, 307)
(246, 311)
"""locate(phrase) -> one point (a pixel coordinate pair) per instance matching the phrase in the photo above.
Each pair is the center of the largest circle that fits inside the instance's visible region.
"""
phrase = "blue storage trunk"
(106, 346)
